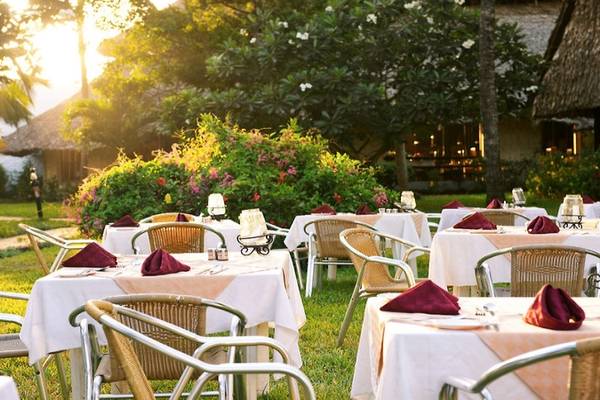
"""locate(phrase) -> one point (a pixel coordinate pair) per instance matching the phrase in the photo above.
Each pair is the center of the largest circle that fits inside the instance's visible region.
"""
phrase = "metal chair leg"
(310, 276)
(40, 380)
(58, 260)
(298, 266)
(60, 367)
(349, 313)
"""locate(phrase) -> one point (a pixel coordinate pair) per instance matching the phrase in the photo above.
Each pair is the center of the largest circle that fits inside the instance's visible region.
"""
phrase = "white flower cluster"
(302, 35)
(283, 24)
(305, 86)
(459, 2)
(372, 18)
(328, 9)
(243, 32)
(467, 44)
(532, 88)
(413, 4)
(429, 20)
(253, 40)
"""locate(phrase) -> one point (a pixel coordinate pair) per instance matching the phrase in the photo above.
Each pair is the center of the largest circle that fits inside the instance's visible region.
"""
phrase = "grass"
(434, 203)
(28, 210)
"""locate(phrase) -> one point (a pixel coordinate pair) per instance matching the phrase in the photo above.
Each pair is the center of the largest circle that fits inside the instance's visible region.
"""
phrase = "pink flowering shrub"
(284, 175)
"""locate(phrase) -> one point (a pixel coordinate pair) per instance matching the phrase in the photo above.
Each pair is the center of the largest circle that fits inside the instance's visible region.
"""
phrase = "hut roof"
(571, 85)
(40, 133)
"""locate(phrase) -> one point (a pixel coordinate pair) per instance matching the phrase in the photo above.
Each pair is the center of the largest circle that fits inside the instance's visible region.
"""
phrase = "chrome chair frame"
(283, 232)
(40, 366)
(432, 224)
(313, 272)
(483, 275)
(453, 385)
(193, 362)
(65, 246)
(359, 292)
(204, 226)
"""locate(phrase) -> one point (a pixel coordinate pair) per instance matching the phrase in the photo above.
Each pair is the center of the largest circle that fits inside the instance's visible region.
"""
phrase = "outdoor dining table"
(8, 388)
(455, 252)
(400, 356)
(452, 216)
(264, 288)
(117, 240)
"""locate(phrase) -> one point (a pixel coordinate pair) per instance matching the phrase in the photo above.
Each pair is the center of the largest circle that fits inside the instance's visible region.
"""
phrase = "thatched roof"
(42, 132)
(571, 85)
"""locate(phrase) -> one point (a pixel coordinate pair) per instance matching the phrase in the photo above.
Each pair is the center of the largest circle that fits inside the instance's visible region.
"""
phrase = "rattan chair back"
(166, 217)
(365, 242)
(502, 217)
(532, 268)
(327, 236)
(585, 371)
(123, 352)
(177, 237)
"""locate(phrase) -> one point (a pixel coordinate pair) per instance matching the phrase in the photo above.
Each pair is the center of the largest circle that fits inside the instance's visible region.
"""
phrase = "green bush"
(284, 175)
(555, 175)
(3, 181)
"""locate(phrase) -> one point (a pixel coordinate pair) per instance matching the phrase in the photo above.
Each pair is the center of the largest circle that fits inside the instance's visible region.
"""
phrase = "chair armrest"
(14, 296)
(396, 263)
(277, 233)
(12, 318)
(242, 341)
(277, 228)
(413, 250)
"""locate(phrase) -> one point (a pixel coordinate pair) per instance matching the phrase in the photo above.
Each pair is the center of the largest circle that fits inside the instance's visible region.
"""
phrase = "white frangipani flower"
(459, 2)
(302, 35)
(372, 18)
(305, 86)
(429, 20)
(283, 24)
(328, 9)
(291, 41)
(467, 44)
(532, 88)
(413, 4)
(253, 40)
(243, 32)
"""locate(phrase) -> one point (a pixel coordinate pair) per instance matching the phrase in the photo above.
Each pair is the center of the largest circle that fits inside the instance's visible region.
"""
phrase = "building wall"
(99, 158)
(63, 166)
(519, 139)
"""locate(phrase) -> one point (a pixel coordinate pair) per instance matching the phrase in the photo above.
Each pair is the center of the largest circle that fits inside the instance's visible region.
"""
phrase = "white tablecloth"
(118, 240)
(417, 358)
(454, 253)
(401, 225)
(263, 296)
(589, 210)
(452, 216)
(8, 389)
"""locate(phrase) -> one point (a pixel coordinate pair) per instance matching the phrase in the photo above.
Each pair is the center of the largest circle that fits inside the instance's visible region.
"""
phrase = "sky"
(57, 54)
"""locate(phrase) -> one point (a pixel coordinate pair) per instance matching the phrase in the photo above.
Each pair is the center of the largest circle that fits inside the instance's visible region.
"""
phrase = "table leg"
(257, 384)
(77, 378)
(332, 270)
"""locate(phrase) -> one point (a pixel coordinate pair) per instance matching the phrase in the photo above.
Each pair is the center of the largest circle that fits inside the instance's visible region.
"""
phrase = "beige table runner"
(418, 221)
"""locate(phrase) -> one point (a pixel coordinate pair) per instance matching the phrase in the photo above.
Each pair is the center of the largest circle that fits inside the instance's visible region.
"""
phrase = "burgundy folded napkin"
(125, 221)
(475, 221)
(425, 297)
(494, 204)
(92, 255)
(181, 218)
(453, 204)
(159, 262)
(323, 209)
(364, 210)
(553, 308)
(587, 199)
(541, 225)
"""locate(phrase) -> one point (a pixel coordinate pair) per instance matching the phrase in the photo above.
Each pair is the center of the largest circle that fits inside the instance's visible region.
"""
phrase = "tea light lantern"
(518, 197)
(254, 234)
(407, 200)
(216, 206)
(572, 211)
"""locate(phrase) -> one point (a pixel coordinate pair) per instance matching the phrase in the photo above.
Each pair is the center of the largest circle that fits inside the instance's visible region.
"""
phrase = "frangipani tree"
(365, 74)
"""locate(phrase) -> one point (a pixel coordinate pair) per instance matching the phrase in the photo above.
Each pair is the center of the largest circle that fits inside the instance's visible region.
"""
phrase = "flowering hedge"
(556, 175)
(284, 175)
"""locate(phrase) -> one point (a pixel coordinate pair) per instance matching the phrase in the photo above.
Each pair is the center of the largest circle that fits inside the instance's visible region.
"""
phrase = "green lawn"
(434, 203)
(28, 210)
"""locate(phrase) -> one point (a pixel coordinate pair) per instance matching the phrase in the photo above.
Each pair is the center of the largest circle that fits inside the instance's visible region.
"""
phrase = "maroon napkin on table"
(159, 262)
(363, 210)
(181, 218)
(425, 297)
(494, 204)
(92, 255)
(323, 209)
(553, 308)
(541, 225)
(125, 221)
(587, 199)
(475, 221)
(453, 204)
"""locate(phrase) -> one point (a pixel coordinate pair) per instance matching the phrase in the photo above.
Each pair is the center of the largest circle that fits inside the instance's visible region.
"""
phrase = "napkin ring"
(261, 244)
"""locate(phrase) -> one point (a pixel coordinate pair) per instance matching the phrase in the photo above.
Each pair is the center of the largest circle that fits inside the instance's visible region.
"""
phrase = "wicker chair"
(324, 247)
(363, 247)
(534, 266)
(177, 237)
(123, 341)
(501, 217)
(11, 346)
(166, 217)
(584, 381)
(64, 245)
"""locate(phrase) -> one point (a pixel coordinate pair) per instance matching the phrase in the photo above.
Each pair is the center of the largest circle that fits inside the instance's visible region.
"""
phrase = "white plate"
(460, 324)
(77, 272)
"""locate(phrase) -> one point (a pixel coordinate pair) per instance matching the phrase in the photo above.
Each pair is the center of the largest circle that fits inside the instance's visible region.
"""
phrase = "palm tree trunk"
(401, 165)
(487, 99)
(85, 86)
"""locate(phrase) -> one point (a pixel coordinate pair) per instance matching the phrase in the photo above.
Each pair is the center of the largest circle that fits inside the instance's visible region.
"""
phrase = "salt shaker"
(222, 255)
(212, 254)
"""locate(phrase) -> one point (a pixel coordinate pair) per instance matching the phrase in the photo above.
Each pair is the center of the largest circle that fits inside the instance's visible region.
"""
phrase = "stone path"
(21, 241)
